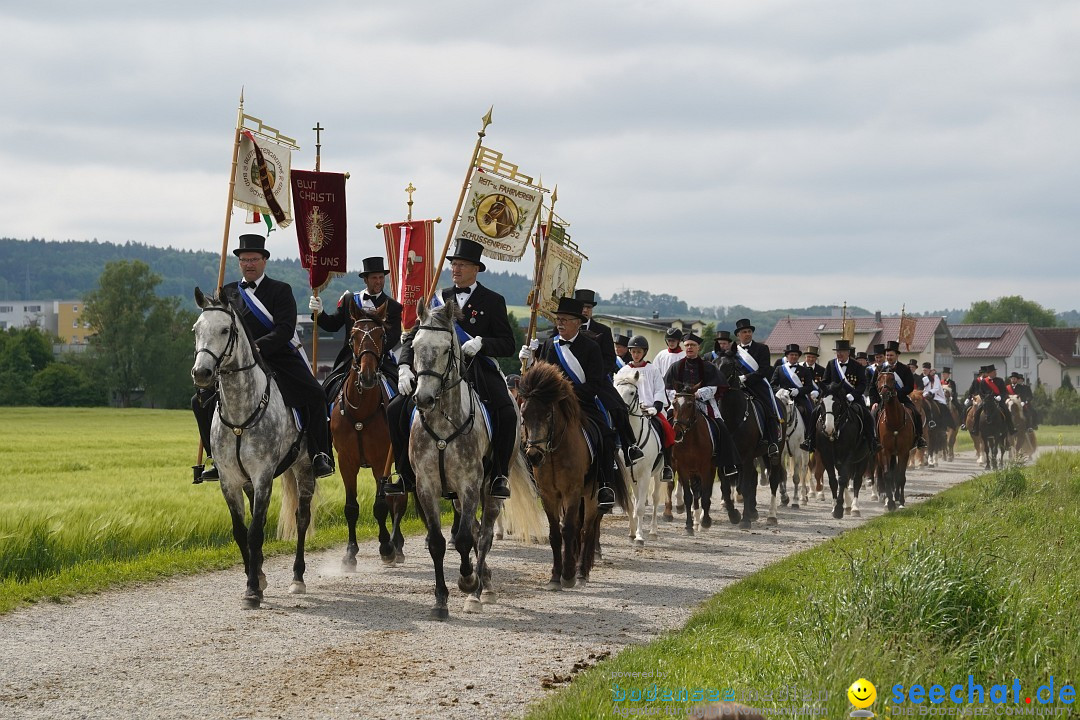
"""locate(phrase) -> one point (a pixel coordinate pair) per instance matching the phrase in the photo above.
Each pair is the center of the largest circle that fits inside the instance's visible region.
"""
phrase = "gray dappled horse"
(450, 449)
(253, 438)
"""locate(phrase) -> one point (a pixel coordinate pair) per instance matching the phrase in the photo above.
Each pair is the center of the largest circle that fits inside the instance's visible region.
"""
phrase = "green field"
(1049, 436)
(980, 580)
(92, 498)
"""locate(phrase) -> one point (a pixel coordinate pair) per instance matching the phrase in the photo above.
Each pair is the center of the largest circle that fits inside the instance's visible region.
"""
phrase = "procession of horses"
(553, 472)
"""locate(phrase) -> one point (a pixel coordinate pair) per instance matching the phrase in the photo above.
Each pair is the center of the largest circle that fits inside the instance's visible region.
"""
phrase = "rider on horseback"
(653, 398)
(850, 375)
(754, 363)
(488, 335)
(1022, 390)
(905, 384)
(798, 380)
(580, 359)
(269, 314)
(990, 387)
(374, 277)
(693, 372)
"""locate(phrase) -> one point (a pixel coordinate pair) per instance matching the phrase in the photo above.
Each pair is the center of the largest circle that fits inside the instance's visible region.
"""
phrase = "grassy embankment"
(980, 580)
(91, 498)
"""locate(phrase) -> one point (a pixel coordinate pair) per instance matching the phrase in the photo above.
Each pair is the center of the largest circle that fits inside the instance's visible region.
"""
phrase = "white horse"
(650, 468)
(252, 436)
(794, 432)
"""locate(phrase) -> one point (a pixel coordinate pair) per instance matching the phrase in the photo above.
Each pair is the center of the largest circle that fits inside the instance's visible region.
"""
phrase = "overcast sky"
(772, 153)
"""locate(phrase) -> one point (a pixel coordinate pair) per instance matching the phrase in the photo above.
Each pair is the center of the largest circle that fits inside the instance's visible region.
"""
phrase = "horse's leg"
(841, 491)
(380, 508)
(456, 525)
(234, 498)
(484, 593)
(555, 539)
(255, 538)
(668, 517)
(571, 539)
(734, 516)
(352, 513)
(427, 506)
(465, 541)
(398, 505)
(746, 484)
(637, 520)
(305, 490)
(777, 477)
(750, 485)
(708, 480)
(857, 485)
(657, 491)
(688, 499)
(891, 474)
(590, 540)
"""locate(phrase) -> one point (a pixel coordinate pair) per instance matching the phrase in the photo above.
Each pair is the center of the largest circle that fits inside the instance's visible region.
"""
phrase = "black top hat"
(744, 324)
(991, 368)
(587, 297)
(570, 306)
(793, 348)
(947, 369)
(913, 363)
(811, 350)
(842, 345)
(692, 337)
(469, 250)
(879, 349)
(861, 356)
(373, 265)
(723, 335)
(927, 366)
(982, 369)
(893, 345)
(623, 340)
(673, 334)
(252, 243)
(1015, 374)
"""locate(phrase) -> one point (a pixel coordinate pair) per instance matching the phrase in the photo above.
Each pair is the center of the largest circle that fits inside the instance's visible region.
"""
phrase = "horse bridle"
(546, 445)
(693, 417)
(234, 334)
(633, 408)
(356, 358)
(450, 364)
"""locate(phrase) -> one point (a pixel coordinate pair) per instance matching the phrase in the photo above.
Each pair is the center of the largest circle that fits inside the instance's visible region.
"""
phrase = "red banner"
(319, 212)
(410, 253)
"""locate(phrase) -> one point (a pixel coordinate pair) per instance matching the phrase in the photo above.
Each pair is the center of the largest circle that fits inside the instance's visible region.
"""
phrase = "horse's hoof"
(489, 597)
(388, 560)
(856, 513)
(745, 524)
(890, 506)
(262, 583)
(784, 500)
(348, 565)
(770, 521)
(400, 557)
(690, 531)
(667, 518)
(734, 516)
(706, 523)
(847, 511)
(439, 613)
(640, 542)
(552, 585)
(680, 509)
(498, 536)
(467, 584)
(901, 506)
(297, 587)
(838, 512)
(472, 605)
(568, 582)
(752, 515)
(252, 600)
(582, 581)
(795, 506)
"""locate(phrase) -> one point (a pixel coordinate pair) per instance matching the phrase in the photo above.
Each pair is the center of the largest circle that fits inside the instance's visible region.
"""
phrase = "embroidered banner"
(411, 258)
(319, 203)
(499, 214)
(268, 166)
(907, 331)
(561, 269)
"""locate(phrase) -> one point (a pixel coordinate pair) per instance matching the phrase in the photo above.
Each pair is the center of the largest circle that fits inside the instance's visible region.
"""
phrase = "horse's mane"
(544, 383)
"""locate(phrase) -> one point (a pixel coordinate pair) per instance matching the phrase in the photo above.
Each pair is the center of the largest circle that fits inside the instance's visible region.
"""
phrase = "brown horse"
(896, 432)
(954, 427)
(362, 437)
(969, 421)
(1024, 443)
(559, 454)
(692, 460)
(918, 456)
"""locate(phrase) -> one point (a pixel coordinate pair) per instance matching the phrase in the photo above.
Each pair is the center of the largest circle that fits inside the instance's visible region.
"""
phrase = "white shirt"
(368, 302)
(650, 382)
(665, 359)
(463, 298)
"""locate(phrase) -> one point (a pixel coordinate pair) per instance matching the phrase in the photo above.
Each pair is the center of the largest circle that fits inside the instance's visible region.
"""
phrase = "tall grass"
(91, 497)
(979, 580)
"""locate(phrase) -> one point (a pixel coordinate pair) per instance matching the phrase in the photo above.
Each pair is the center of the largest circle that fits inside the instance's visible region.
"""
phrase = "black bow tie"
(372, 298)
(250, 284)
(843, 365)
(793, 367)
(462, 291)
(564, 342)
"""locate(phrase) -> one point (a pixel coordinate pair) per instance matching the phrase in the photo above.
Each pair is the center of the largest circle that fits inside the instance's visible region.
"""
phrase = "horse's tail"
(522, 512)
(624, 490)
(290, 501)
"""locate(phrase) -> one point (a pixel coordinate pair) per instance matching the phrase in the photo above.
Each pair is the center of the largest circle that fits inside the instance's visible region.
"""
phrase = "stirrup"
(668, 475)
(730, 470)
(605, 498)
(500, 487)
(394, 485)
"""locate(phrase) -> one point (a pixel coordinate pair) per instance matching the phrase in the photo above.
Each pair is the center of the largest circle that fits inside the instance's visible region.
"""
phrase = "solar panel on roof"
(990, 332)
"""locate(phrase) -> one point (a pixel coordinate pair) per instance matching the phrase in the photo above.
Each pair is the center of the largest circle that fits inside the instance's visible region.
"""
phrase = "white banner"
(499, 215)
(561, 268)
(248, 192)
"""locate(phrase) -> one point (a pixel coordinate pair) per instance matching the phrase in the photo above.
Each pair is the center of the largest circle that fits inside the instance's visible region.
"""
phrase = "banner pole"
(232, 188)
(541, 260)
(315, 317)
(461, 199)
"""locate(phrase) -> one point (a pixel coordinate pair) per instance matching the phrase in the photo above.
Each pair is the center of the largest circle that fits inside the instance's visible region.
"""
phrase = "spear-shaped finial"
(487, 121)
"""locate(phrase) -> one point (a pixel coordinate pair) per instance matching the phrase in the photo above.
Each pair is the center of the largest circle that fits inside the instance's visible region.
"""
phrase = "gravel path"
(360, 645)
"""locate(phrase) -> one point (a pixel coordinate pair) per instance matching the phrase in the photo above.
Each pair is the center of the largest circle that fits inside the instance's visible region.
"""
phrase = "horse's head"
(834, 404)
(436, 353)
(685, 411)
(216, 338)
(886, 386)
(366, 337)
(730, 370)
(627, 382)
(548, 407)
(784, 396)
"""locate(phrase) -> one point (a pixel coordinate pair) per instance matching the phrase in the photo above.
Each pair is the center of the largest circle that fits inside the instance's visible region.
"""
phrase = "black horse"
(994, 431)
(842, 446)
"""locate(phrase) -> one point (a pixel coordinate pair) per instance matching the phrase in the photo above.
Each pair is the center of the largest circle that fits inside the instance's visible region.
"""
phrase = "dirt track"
(361, 645)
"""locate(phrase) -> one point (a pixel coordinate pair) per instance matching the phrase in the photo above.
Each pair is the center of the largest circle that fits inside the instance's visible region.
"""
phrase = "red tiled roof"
(1001, 346)
(1059, 343)
(807, 331)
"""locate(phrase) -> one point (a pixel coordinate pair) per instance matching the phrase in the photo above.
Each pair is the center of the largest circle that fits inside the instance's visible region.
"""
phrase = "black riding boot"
(919, 441)
(668, 475)
(397, 413)
(203, 404)
(322, 460)
(870, 429)
(503, 442)
(605, 495)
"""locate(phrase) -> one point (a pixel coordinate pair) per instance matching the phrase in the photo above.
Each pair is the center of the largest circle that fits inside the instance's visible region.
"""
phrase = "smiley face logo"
(862, 693)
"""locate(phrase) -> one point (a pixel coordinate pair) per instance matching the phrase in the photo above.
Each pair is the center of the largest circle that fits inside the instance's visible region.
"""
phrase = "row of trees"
(1060, 408)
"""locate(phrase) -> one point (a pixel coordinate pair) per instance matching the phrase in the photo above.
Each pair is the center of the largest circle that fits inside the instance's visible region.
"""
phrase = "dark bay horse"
(842, 447)
(253, 438)
(896, 432)
(994, 432)
(693, 463)
(361, 435)
(739, 417)
(559, 455)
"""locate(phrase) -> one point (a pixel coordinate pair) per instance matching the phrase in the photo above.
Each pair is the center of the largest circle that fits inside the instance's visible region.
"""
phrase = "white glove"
(814, 394)
(648, 410)
(742, 378)
(705, 393)
(525, 354)
(998, 398)
(793, 392)
(406, 380)
(472, 346)
(315, 304)
(967, 402)
(850, 397)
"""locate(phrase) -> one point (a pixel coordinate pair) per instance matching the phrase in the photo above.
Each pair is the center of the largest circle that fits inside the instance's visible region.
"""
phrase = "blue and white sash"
(746, 359)
(793, 377)
(462, 336)
(262, 314)
(572, 367)
(840, 373)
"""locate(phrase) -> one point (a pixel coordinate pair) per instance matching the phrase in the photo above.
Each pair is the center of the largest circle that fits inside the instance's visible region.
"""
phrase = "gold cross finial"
(410, 190)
